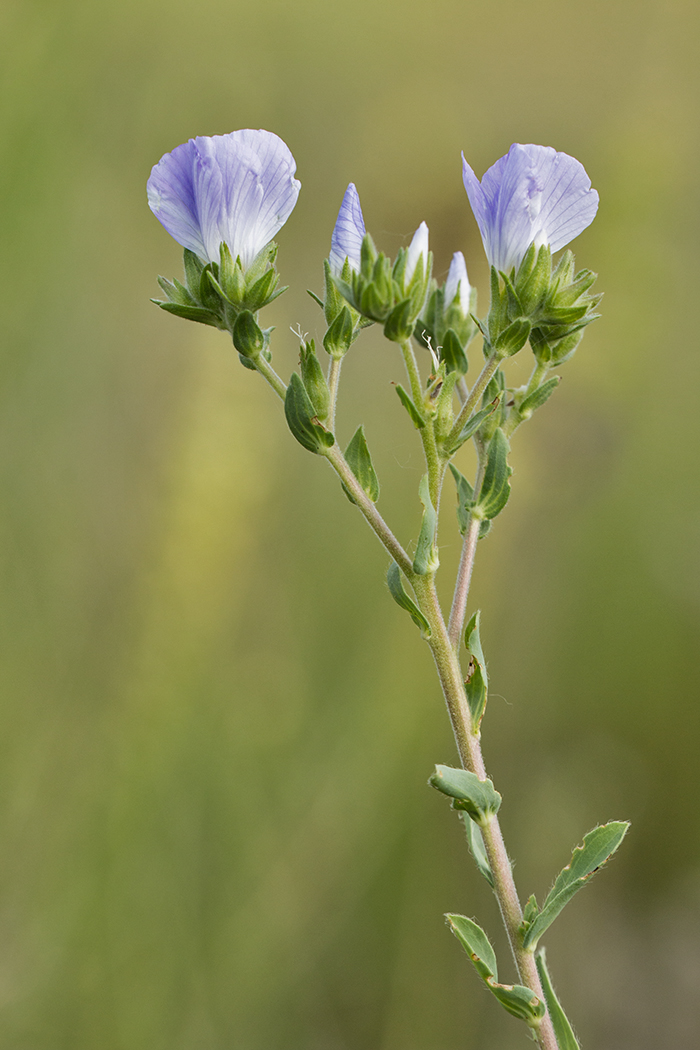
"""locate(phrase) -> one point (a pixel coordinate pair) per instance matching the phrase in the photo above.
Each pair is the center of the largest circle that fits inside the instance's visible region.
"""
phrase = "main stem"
(468, 744)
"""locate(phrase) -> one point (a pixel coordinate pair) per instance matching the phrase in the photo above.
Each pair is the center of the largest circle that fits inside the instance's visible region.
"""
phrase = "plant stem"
(267, 372)
(469, 747)
(333, 380)
(337, 460)
(471, 402)
(539, 374)
(466, 563)
(427, 433)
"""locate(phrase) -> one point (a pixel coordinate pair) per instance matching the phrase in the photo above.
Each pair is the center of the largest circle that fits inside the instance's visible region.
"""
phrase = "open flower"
(533, 195)
(238, 189)
(348, 233)
(457, 284)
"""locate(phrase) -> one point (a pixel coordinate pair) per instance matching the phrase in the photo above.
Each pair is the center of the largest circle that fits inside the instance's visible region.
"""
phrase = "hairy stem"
(333, 380)
(267, 372)
(475, 393)
(469, 747)
(466, 562)
(427, 433)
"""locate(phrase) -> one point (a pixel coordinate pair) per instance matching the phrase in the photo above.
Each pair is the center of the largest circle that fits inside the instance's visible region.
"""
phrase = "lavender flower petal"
(457, 283)
(532, 195)
(348, 233)
(238, 188)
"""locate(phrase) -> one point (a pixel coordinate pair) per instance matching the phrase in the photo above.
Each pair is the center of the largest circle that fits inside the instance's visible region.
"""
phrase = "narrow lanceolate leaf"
(598, 845)
(476, 681)
(475, 841)
(426, 559)
(566, 1040)
(302, 419)
(495, 489)
(478, 798)
(519, 1001)
(538, 397)
(413, 412)
(360, 463)
(190, 313)
(395, 584)
(465, 498)
(471, 426)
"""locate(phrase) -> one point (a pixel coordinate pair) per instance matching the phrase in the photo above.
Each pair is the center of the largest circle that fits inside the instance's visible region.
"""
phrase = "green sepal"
(495, 489)
(597, 847)
(338, 338)
(475, 842)
(465, 498)
(248, 337)
(263, 291)
(452, 353)
(208, 296)
(473, 424)
(396, 589)
(519, 1001)
(302, 419)
(314, 380)
(476, 682)
(538, 397)
(176, 292)
(566, 1040)
(513, 338)
(360, 463)
(426, 557)
(533, 277)
(399, 325)
(190, 313)
(407, 403)
(478, 798)
(441, 394)
(333, 302)
(193, 271)
(316, 298)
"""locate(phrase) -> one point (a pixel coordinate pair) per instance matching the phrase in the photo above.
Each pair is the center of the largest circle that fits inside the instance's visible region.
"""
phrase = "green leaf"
(495, 489)
(302, 420)
(452, 353)
(538, 397)
(360, 463)
(598, 845)
(519, 1001)
(465, 498)
(471, 426)
(193, 271)
(566, 1040)
(476, 681)
(190, 313)
(261, 293)
(393, 579)
(399, 324)
(477, 797)
(413, 412)
(426, 558)
(475, 841)
(514, 337)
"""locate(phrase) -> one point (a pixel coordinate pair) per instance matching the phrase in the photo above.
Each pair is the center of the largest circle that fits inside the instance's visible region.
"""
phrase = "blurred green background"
(216, 728)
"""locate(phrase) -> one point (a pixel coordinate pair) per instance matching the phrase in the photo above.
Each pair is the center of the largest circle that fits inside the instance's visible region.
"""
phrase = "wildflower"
(238, 189)
(533, 195)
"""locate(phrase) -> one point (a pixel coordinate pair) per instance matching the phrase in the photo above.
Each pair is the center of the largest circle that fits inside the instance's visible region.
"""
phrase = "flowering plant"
(224, 199)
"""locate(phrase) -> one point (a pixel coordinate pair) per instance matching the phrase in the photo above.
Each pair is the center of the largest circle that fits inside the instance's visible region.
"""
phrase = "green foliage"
(405, 399)
(475, 841)
(426, 557)
(302, 420)
(340, 334)
(360, 463)
(396, 588)
(588, 858)
(566, 1039)
(519, 1001)
(314, 380)
(248, 338)
(476, 679)
(476, 797)
(495, 488)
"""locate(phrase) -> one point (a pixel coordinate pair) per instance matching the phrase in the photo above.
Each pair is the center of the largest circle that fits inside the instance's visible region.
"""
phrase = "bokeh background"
(216, 727)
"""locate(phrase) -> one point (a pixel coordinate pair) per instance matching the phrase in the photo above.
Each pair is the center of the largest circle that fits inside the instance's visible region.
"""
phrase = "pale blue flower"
(417, 250)
(348, 233)
(238, 189)
(457, 284)
(533, 195)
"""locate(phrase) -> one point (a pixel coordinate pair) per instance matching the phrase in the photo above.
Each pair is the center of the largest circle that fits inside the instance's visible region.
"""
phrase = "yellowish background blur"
(216, 728)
